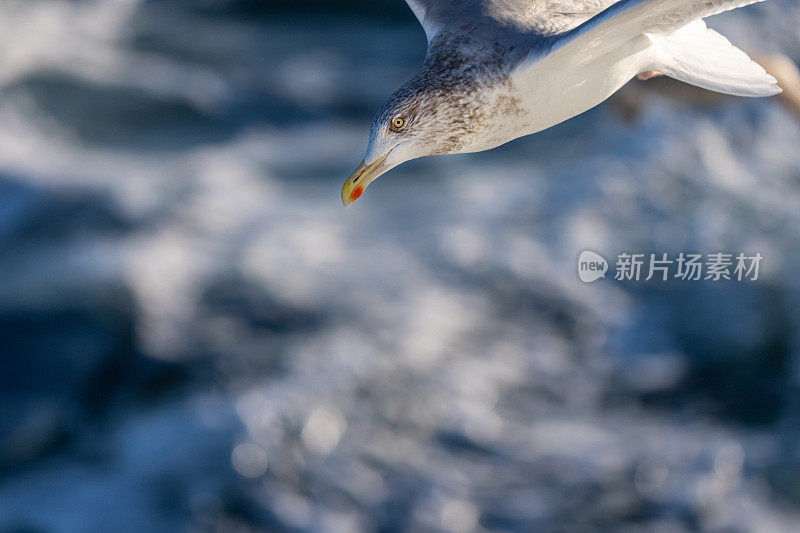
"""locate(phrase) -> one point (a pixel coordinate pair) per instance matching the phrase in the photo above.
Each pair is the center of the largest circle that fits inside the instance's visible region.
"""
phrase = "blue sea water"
(197, 336)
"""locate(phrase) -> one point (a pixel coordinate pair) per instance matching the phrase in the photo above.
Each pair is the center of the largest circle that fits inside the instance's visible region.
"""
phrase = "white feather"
(627, 19)
(700, 56)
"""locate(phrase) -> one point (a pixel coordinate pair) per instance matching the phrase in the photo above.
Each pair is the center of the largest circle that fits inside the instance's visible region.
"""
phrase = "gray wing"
(542, 17)
(626, 19)
(675, 38)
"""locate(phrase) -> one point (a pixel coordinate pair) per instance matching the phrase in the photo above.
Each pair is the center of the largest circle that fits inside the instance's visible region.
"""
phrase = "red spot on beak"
(356, 193)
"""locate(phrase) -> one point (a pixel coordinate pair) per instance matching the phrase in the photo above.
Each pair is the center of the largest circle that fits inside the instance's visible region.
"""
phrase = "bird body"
(552, 94)
(497, 70)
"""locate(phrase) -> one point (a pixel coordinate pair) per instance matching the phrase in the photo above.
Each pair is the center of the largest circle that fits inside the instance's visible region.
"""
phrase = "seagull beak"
(365, 174)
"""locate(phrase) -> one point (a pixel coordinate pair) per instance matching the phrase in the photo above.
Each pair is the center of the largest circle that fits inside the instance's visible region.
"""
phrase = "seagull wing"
(627, 19)
(436, 14)
(677, 41)
(421, 9)
(540, 17)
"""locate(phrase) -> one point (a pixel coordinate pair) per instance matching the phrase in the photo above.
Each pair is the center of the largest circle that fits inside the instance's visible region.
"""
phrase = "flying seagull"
(496, 70)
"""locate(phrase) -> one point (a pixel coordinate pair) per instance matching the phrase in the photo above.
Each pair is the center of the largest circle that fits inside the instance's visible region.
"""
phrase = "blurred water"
(197, 336)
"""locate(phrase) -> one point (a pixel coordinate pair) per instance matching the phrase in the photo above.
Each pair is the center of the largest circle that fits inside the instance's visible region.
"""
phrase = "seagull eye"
(398, 122)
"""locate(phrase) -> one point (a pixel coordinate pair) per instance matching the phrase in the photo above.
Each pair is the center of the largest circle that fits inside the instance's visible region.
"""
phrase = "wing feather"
(530, 17)
(627, 19)
(420, 9)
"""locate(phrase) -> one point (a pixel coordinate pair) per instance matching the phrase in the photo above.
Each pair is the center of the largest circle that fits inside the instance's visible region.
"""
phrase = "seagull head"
(426, 116)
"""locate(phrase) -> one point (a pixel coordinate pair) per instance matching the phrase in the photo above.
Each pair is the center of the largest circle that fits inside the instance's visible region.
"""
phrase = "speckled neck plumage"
(464, 87)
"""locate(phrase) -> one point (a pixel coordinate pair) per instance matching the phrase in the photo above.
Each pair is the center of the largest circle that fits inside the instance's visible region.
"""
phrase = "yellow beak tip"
(364, 173)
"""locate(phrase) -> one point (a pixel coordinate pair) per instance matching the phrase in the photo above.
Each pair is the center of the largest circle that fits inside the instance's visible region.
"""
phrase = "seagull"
(496, 70)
